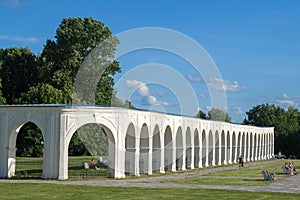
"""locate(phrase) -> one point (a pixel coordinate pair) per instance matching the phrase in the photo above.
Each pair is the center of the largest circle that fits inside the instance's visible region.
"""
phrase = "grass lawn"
(50, 191)
(28, 167)
(249, 176)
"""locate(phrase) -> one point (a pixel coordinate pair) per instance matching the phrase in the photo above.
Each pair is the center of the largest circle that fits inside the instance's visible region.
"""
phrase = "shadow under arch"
(144, 150)
(204, 147)
(168, 149)
(130, 148)
(196, 149)
(26, 139)
(99, 141)
(156, 150)
(179, 149)
(188, 150)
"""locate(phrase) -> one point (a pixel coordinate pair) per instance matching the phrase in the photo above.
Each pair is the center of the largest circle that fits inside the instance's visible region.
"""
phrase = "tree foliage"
(30, 141)
(19, 72)
(218, 115)
(49, 77)
(202, 115)
(82, 43)
(286, 125)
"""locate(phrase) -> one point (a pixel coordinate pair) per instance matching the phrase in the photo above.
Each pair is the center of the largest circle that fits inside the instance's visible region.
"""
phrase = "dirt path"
(291, 184)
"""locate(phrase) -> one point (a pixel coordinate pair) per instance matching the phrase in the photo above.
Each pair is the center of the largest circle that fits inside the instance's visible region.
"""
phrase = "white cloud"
(224, 85)
(19, 39)
(141, 87)
(144, 91)
(203, 96)
(194, 78)
(208, 108)
(287, 101)
(14, 3)
(152, 100)
(238, 111)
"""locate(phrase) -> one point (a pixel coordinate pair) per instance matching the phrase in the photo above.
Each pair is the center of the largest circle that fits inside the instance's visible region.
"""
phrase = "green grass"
(29, 167)
(52, 191)
(247, 176)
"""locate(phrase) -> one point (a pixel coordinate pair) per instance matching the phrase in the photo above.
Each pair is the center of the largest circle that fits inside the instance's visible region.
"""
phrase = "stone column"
(206, 149)
(137, 154)
(219, 147)
(4, 143)
(230, 148)
(55, 164)
(200, 149)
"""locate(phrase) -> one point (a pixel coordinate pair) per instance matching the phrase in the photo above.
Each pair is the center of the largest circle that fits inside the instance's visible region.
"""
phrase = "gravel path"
(291, 184)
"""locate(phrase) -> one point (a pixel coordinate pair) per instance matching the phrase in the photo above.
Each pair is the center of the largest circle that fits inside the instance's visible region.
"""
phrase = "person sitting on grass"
(288, 168)
(292, 168)
(93, 162)
(270, 175)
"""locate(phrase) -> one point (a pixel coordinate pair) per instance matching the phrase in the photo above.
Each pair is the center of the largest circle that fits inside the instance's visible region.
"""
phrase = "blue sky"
(254, 44)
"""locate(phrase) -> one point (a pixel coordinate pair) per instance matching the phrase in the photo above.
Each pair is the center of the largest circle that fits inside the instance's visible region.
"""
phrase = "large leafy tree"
(43, 93)
(49, 78)
(2, 99)
(217, 114)
(285, 123)
(19, 71)
(76, 38)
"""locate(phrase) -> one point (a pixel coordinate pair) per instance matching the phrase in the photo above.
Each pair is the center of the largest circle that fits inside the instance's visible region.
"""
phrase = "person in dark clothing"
(241, 161)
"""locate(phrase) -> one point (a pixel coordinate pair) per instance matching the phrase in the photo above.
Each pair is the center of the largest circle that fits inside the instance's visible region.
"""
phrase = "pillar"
(3, 145)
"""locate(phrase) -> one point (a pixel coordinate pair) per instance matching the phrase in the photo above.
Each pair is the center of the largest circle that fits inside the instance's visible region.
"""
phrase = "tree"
(285, 123)
(76, 38)
(218, 115)
(2, 99)
(29, 141)
(19, 72)
(49, 78)
(201, 115)
(263, 115)
(41, 94)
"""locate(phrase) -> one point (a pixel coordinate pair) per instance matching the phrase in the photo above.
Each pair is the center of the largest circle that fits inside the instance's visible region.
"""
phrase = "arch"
(243, 146)
(12, 146)
(259, 140)
(196, 149)
(239, 145)
(217, 149)
(168, 149)
(89, 134)
(228, 148)
(234, 147)
(251, 146)
(156, 150)
(59, 123)
(211, 150)
(204, 155)
(130, 150)
(247, 145)
(223, 147)
(255, 146)
(179, 149)
(144, 150)
(188, 151)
